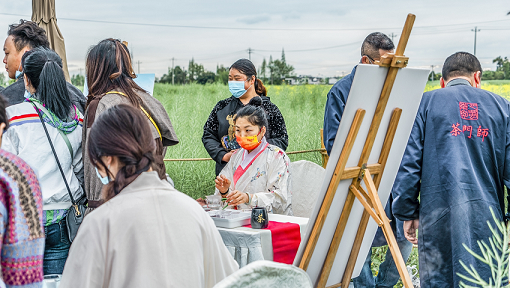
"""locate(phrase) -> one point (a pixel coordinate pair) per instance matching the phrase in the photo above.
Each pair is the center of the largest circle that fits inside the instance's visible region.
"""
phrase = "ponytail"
(43, 68)
(260, 89)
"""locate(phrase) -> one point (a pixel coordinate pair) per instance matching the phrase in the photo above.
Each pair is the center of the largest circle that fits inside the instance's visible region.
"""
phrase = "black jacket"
(217, 127)
(14, 94)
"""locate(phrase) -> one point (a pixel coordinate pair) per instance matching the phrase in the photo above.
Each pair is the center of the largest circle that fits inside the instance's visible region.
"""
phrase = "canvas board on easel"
(365, 92)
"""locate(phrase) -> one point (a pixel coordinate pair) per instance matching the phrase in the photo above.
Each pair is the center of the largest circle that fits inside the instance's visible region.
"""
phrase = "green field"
(302, 107)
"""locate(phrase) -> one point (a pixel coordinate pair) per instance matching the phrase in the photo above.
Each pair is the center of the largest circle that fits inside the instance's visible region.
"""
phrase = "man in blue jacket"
(454, 169)
(374, 46)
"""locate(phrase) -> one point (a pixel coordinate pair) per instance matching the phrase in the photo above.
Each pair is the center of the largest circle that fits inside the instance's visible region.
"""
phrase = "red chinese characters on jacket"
(468, 111)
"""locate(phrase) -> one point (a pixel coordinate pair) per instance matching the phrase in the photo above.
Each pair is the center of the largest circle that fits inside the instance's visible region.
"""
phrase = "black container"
(259, 219)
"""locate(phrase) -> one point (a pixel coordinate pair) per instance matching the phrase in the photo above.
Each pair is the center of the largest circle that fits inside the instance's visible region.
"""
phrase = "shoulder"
(21, 113)
(223, 103)
(110, 100)
(14, 92)
(74, 90)
(277, 152)
(269, 106)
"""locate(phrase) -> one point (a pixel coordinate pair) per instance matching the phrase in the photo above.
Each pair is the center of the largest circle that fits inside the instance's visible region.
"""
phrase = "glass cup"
(51, 280)
(213, 201)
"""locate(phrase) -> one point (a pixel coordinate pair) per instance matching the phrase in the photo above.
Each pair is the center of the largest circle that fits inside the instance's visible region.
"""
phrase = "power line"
(254, 28)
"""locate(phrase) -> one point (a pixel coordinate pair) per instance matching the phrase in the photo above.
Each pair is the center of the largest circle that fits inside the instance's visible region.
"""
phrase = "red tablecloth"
(286, 238)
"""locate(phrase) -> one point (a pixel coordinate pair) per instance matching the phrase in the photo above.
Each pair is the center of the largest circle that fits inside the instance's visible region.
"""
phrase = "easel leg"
(388, 232)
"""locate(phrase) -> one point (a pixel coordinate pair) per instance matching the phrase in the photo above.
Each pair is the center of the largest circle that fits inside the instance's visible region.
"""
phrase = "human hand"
(201, 201)
(227, 156)
(222, 183)
(410, 228)
(237, 197)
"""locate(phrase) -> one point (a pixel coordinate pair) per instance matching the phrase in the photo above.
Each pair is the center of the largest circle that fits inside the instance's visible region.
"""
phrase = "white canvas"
(365, 92)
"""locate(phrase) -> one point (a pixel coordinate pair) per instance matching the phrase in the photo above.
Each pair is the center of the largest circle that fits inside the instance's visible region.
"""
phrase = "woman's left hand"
(237, 197)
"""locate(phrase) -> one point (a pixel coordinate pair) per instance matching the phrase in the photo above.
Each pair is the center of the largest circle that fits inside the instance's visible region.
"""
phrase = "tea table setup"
(278, 242)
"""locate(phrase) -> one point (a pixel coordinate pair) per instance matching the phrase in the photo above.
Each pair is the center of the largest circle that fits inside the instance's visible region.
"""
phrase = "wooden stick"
(330, 193)
(365, 204)
(383, 157)
(325, 156)
(353, 172)
(388, 232)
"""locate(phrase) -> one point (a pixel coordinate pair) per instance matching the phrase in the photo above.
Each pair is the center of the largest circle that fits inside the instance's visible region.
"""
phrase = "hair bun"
(256, 101)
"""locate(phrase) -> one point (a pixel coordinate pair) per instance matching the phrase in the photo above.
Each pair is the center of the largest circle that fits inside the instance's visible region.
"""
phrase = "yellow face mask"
(248, 142)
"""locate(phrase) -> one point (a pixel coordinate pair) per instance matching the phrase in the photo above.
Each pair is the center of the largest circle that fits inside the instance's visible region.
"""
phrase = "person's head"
(250, 124)
(462, 65)
(4, 121)
(244, 70)
(20, 38)
(121, 146)
(45, 78)
(374, 46)
(108, 67)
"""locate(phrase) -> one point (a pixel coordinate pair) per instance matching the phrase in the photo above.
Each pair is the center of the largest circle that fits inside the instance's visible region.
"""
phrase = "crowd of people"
(106, 150)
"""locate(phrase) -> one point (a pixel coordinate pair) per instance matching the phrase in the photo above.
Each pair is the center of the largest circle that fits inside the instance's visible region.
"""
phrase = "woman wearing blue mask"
(219, 132)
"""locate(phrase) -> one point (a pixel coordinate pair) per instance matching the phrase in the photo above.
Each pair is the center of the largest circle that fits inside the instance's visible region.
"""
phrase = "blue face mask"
(27, 94)
(104, 180)
(18, 73)
(237, 88)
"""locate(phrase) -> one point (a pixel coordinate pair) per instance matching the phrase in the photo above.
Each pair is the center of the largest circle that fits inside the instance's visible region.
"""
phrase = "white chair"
(266, 274)
(306, 184)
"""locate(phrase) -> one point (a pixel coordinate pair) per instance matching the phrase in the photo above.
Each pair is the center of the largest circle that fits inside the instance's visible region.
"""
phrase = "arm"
(406, 188)
(277, 129)
(10, 141)
(228, 172)
(278, 186)
(210, 137)
(78, 166)
(332, 115)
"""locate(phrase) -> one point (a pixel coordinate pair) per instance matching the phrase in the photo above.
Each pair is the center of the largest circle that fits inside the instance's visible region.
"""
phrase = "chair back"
(265, 274)
(306, 179)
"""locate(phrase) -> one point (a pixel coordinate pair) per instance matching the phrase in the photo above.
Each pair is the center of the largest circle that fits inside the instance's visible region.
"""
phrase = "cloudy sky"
(320, 38)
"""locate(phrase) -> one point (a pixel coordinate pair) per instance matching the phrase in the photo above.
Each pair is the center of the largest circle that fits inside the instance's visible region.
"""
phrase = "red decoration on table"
(286, 238)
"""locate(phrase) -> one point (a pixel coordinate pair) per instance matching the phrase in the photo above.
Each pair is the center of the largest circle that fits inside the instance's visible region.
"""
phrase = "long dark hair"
(122, 131)
(108, 67)
(247, 68)
(43, 68)
(254, 113)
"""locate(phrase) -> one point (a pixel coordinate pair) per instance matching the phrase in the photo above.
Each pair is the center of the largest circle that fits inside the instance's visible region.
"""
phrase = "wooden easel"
(363, 172)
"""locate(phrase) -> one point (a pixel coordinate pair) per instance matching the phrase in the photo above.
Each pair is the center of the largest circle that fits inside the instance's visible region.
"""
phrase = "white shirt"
(26, 138)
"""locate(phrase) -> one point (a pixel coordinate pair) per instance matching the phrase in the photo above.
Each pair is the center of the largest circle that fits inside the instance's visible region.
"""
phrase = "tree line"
(272, 72)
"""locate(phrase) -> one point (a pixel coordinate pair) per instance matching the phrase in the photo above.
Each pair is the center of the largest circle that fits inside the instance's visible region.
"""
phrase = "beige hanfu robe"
(264, 173)
(149, 235)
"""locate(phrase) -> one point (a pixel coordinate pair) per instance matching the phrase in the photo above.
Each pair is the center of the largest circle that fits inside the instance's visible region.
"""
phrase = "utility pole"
(432, 73)
(475, 30)
(249, 53)
(80, 70)
(392, 35)
(138, 66)
(173, 74)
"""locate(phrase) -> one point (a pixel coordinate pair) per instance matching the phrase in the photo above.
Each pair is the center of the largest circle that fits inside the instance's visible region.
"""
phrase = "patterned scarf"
(54, 121)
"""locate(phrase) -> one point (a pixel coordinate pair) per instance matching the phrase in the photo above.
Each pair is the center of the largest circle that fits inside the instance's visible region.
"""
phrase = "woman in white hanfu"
(147, 234)
(258, 173)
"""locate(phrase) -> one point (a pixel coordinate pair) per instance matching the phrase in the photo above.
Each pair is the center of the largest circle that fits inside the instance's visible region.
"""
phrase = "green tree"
(2, 80)
(262, 72)
(194, 70)
(502, 65)
(221, 75)
(206, 77)
(77, 80)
